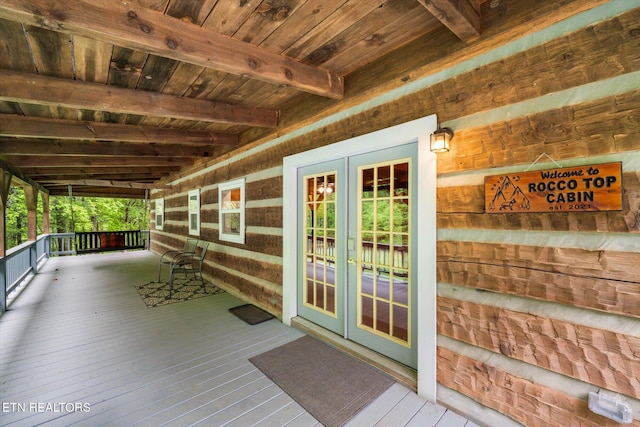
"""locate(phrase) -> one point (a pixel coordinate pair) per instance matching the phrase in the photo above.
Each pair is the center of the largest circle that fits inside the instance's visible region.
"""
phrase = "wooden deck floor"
(79, 347)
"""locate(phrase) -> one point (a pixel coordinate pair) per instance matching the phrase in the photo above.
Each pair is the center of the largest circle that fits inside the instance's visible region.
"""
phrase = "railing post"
(33, 256)
(3, 282)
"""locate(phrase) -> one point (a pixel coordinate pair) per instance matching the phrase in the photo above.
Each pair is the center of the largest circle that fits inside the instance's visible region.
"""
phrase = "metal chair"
(189, 264)
(168, 257)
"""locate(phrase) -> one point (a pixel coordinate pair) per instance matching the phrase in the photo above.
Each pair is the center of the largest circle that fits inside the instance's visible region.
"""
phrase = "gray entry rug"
(331, 385)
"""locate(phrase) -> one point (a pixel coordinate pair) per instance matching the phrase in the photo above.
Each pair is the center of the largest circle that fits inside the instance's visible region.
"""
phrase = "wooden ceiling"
(112, 97)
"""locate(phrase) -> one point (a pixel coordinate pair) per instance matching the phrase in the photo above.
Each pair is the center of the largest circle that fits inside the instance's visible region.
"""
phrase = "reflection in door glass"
(383, 261)
(320, 262)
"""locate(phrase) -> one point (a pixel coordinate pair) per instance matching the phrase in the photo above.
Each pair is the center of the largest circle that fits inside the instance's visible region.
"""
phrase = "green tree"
(101, 214)
(382, 212)
(59, 215)
(87, 213)
(16, 217)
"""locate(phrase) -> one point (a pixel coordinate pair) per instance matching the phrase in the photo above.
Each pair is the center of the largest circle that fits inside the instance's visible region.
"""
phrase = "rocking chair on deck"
(189, 264)
(169, 256)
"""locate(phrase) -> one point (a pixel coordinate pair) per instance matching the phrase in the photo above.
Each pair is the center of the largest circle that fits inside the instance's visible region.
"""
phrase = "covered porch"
(79, 346)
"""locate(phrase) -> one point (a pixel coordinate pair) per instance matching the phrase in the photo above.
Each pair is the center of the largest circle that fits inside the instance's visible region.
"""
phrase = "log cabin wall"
(534, 310)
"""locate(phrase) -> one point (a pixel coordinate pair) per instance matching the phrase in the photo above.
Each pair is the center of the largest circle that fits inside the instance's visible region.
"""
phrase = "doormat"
(155, 294)
(251, 314)
(331, 385)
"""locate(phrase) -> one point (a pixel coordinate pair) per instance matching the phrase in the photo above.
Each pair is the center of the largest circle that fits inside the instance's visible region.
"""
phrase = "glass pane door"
(382, 206)
(383, 276)
(319, 245)
(321, 296)
(355, 257)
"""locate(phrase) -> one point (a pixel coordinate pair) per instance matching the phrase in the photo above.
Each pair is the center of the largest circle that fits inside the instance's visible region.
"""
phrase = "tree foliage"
(75, 214)
(16, 217)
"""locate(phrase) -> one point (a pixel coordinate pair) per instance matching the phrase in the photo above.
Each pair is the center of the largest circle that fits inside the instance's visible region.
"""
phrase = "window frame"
(159, 212)
(194, 209)
(228, 186)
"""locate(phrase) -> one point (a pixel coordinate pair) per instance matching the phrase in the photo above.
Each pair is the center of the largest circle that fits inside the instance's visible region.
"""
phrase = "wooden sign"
(578, 189)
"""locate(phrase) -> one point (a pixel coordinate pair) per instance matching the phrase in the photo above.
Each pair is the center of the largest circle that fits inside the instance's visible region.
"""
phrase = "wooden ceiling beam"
(13, 146)
(36, 127)
(93, 161)
(459, 16)
(46, 180)
(130, 26)
(38, 89)
(83, 191)
(42, 174)
(110, 183)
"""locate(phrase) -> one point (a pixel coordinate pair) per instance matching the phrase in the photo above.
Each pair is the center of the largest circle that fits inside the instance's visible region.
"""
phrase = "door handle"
(350, 260)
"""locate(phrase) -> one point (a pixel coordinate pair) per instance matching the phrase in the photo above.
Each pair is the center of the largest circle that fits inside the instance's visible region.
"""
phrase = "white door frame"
(417, 130)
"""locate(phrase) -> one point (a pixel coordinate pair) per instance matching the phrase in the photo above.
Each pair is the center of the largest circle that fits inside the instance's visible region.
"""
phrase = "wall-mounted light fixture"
(440, 140)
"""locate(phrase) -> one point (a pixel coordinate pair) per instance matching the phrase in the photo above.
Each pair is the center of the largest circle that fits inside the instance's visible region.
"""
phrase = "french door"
(321, 293)
(356, 266)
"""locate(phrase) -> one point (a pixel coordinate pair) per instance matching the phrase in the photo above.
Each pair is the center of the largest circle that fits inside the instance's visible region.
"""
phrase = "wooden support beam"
(111, 183)
(131, 26)
(41, 147)
(5, 186)
(46, 218)
(459, 16)
(31, 199)
(34, 88)
(7, 167)
(36, 127)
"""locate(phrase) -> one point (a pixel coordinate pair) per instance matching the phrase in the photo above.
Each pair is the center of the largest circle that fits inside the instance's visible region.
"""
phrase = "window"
(194, 212)
(159, 214)
(231, 217)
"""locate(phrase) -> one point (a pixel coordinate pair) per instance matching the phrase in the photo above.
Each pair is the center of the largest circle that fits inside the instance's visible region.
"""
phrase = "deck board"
(402, 413)
(429, 414)
(385, 403)
(80, 333)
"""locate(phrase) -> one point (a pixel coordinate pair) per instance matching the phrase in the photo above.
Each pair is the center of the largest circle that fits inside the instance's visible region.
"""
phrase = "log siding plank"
(603, 264)
(463, 207)
(520, 398)
(596, 356)
(609, 296)
(589, 129)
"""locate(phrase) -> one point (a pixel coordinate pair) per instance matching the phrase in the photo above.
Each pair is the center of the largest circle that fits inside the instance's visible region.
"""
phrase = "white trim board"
(416, 130)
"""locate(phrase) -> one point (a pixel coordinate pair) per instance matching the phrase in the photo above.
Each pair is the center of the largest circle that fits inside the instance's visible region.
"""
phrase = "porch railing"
(61, 244)
(382, 254)
(23, 259)
(18, 263)
(106, 241)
